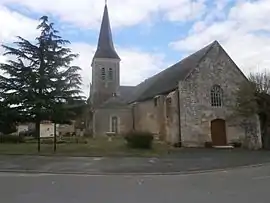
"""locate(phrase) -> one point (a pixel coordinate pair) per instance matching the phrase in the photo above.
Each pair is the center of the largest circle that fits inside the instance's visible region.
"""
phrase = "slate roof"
(114, 102)
(121, 99)
(105, 47)
(126, 92)
(167, 80)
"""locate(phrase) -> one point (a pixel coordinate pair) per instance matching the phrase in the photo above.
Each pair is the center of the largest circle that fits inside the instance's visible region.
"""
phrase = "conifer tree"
(39, 77)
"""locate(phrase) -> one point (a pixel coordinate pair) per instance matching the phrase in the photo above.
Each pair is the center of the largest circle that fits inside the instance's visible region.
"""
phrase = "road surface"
(185, 160)
(250, 184)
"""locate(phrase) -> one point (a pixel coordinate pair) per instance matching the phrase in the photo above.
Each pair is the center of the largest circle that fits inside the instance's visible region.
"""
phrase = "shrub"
(29, 133)
(208, 144)
(139, 140)
(236, 144)
(178, 145)
(46, 141)
(61, 142)
(71, 140)
(68, 134)
(11, 139)
(7, 127)
(75, 140)
(51, 141)
(30, 140)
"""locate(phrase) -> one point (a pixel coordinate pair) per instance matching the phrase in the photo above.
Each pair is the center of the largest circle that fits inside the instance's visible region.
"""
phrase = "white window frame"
(118, 123)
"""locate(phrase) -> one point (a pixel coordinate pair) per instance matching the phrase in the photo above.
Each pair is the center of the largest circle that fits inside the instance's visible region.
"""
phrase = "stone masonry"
(196, 112)
(176, 105)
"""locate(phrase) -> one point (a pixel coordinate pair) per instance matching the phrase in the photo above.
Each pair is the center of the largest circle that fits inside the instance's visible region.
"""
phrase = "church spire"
(105, 47)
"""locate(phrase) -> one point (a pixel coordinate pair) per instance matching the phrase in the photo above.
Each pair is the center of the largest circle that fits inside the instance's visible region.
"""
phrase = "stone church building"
(189, 102)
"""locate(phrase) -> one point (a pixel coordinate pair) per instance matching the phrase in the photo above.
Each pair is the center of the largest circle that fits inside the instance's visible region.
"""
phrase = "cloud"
(84, 60)
(243, 29)
(13, 24)
(87, 13)
(135, 66)
(185, 10)
(244, 33)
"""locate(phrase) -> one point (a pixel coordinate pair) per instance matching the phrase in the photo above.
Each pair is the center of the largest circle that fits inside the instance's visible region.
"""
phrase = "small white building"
(47, 128)
(22, 128)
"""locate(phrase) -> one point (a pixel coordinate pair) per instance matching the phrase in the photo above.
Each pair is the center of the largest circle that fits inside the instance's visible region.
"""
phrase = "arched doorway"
(218, 132)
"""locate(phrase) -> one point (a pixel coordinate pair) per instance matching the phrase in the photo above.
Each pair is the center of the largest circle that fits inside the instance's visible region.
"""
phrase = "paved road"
(184, 161)
(238, 185)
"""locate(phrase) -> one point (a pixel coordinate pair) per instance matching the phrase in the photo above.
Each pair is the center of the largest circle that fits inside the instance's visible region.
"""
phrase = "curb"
(100, 173)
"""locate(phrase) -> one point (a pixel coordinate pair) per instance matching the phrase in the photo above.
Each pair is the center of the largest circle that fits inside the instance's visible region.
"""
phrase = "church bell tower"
(105, 65)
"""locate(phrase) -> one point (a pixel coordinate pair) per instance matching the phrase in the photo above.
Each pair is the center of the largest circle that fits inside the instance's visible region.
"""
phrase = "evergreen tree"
(8, 119)
(40, 79)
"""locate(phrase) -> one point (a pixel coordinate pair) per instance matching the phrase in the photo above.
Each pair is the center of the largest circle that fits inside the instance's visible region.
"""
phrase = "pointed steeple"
(105, 47)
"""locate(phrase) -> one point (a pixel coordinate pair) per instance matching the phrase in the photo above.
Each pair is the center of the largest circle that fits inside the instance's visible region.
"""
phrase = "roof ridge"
(200, 60)
(210, 46)
(241, 72)
(168, 79)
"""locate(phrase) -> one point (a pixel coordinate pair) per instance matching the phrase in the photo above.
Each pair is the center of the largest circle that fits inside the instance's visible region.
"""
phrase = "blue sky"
(149, 35)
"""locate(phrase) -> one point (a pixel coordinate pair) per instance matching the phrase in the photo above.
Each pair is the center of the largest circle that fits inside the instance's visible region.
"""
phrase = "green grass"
(85, 147)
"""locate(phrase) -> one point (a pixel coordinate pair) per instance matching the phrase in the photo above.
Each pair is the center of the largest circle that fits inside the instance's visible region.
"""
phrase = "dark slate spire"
(105, 47)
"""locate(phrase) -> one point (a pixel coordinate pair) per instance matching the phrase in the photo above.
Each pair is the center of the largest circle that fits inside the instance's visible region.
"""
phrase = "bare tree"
(253, 98)
(261, 81)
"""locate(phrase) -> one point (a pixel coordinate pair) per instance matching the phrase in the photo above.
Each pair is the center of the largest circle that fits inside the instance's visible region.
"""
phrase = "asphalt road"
(185, 160)
(237, 186)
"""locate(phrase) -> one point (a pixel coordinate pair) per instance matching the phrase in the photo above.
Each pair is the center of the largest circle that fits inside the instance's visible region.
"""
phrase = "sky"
(149, 35)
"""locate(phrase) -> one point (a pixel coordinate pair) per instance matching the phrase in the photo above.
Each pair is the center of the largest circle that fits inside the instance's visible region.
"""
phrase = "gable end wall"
(196, 112)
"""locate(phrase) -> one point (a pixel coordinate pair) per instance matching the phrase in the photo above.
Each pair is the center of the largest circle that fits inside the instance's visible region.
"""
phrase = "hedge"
(11, 139)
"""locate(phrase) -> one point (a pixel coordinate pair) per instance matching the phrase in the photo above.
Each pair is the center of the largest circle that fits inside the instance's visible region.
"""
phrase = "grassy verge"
(85, 147)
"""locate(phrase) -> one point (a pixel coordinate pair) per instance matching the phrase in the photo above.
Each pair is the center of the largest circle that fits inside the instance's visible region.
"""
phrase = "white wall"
(22, 128)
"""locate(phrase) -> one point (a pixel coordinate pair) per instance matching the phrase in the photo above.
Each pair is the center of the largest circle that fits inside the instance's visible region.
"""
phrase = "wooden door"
(218, 132)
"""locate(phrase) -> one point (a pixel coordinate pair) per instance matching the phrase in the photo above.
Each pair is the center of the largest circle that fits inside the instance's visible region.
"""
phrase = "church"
(188, 103)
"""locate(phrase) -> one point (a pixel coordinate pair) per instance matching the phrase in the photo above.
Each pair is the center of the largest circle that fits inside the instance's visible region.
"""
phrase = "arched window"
(103, 74)
(110, 73)
(216, 96)
(114, 124)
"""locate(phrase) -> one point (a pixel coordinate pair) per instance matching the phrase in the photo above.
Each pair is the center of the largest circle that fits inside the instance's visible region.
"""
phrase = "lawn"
(85, 147)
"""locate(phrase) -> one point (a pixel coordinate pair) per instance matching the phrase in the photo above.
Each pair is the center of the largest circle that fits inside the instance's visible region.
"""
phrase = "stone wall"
(146, 116)
(196, 112)
(102, 120)
(103, 88)
(159, 116)
(172, 118)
